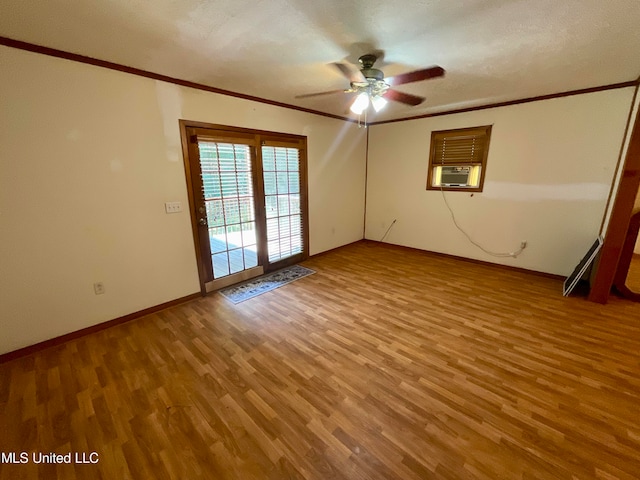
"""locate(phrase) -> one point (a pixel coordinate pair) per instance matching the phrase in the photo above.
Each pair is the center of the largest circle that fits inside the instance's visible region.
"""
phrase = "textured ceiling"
(492, 50)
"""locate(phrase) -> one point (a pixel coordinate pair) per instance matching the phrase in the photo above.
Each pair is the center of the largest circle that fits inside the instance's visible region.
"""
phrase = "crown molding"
(614, 86)
(52, 52)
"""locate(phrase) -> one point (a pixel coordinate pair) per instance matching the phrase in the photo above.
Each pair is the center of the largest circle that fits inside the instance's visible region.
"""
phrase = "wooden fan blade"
(349, 73)
(401, 97)
(319, 94)
(418, 75)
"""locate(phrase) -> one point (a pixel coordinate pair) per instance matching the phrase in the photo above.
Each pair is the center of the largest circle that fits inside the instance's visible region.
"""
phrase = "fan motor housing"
(368, 71)
(372, 73)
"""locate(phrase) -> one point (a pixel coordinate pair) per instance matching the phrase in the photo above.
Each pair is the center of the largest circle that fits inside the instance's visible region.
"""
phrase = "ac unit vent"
(455, 176)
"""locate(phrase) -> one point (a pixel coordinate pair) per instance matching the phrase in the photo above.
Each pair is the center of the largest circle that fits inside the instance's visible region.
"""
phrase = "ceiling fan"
(373, 88)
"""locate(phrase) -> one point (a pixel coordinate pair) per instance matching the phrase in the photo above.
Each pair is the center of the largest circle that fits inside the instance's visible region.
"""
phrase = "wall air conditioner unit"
(455, 176)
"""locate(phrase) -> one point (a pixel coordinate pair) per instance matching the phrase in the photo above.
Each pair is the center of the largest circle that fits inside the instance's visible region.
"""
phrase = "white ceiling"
(492, 50)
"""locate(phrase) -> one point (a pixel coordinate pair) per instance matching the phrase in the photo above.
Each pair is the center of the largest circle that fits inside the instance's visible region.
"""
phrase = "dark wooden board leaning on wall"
(582, 267)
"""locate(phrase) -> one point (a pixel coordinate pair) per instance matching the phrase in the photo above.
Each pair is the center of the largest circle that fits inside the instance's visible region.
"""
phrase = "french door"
(248, 201)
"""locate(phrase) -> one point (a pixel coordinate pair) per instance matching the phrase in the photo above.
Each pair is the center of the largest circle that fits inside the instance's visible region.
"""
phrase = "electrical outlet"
(173, 207)
(98, 288)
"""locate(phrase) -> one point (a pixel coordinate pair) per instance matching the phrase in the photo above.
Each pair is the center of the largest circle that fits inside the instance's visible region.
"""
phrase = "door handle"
(202, 221)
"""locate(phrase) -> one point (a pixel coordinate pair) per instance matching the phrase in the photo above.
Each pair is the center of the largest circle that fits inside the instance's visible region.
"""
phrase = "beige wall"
(550, 167)
(88, 157)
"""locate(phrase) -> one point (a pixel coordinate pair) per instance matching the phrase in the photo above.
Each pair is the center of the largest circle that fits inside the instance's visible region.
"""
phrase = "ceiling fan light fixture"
(371, 86)
(361, 103)
(378, 103)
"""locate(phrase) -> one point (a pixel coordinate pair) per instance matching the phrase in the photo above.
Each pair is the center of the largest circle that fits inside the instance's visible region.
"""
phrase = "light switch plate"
(173, 207)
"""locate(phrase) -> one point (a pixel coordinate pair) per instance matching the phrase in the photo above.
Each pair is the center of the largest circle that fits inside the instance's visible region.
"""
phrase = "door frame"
(603, 275)
(301, 142)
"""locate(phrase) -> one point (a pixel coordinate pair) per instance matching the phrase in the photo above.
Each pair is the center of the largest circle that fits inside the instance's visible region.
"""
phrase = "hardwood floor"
(386, 364)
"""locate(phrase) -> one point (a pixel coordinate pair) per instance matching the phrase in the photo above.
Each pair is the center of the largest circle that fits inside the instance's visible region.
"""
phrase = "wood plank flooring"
(386, 364)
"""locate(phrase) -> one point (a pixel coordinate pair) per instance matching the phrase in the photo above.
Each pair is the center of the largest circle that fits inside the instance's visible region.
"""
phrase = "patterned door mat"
(265, 283)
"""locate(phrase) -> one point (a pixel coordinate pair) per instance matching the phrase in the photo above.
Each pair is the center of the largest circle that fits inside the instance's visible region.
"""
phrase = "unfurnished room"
(323, 240)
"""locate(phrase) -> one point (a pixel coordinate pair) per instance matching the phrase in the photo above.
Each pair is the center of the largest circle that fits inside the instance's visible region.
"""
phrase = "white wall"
(88, 157)
(549, 171)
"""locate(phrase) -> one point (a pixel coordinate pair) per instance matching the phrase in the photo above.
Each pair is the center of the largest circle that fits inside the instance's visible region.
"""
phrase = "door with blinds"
(248, 201)
(283, 212)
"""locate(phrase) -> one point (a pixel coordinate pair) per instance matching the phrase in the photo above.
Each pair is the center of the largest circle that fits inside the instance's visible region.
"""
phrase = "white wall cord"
(388, 229)
(488, 252)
